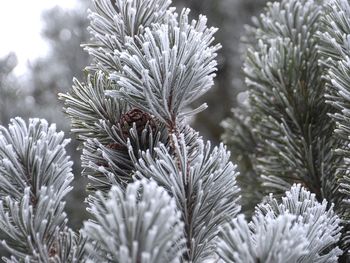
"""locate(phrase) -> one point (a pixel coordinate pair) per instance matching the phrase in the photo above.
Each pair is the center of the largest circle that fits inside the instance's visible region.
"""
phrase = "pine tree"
(292, 122)
(158, 192)
(149, 64)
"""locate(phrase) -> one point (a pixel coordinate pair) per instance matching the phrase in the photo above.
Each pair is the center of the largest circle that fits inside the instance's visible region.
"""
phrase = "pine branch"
(105, 124)
(298, 229)
(322, 223)
(141, 224)
(202, 181)
(289, 113)
(265, 239)
(35, 177)
(334, 45)
(289, 117)
(144, 52)
(168, 67)
(113, 22)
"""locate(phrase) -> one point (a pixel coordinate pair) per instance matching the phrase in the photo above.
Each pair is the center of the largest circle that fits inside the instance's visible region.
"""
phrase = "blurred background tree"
(11, 93)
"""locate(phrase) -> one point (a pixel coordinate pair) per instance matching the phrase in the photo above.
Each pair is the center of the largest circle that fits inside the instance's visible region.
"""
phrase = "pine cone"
(139, 117)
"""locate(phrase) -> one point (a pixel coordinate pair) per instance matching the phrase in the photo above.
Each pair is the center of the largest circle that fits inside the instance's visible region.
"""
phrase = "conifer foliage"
(158, 192)
(296, 110)
(141, 224)
(149, 64)
(35, 177)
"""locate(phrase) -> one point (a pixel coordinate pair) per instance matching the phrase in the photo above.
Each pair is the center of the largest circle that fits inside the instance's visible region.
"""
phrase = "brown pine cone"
(139, 117)
(116, 146)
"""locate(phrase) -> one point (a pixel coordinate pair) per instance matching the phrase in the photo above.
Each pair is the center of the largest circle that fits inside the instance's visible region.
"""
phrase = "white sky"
(20, 27)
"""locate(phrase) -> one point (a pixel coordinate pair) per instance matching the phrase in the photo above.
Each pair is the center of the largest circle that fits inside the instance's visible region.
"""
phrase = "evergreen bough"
(141, 224)
(296, 107)
(158, 192)
(35, 177)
